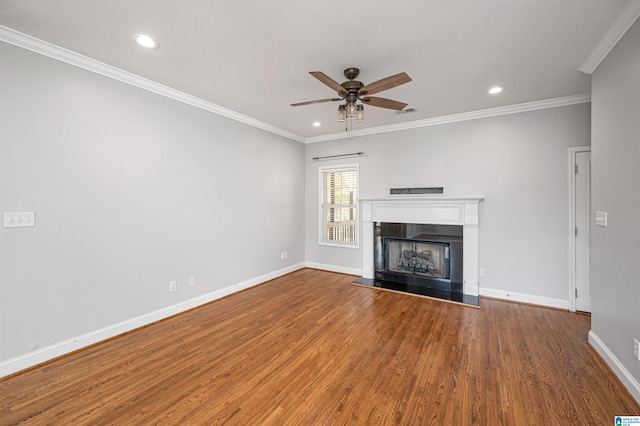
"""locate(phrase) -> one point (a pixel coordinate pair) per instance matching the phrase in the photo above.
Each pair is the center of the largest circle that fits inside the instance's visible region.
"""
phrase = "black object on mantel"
(433, 190)
(454, 296)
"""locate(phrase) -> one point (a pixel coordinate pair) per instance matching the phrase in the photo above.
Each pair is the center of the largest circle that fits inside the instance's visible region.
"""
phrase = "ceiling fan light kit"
(351, 109)
(359, 113)
(352, 91)
(342, 113)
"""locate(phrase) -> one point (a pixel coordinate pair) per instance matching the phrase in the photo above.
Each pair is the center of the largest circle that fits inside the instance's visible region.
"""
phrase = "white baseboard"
(334, 268)
(525, 298)
(623, 374)
(50, 352)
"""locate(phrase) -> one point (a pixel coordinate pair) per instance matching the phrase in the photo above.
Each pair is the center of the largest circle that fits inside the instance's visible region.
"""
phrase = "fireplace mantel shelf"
(430, 209)
(424, 198)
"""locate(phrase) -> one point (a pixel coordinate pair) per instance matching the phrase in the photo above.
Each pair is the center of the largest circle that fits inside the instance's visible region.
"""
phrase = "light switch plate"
(601, 219)
(19, 219)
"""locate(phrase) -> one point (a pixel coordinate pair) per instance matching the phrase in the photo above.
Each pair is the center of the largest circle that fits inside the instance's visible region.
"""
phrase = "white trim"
(618, 368)
(61, 54)
(618, 29)
(426, 198)
(471, 287)
(33, 44)
(339, 245)
(572, 223)
(322, 224)
(334, 268)
(465, 116)
(64, 347)
(524, 298)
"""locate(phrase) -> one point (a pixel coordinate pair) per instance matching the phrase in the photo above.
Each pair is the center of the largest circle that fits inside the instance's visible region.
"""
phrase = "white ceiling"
(253, 57)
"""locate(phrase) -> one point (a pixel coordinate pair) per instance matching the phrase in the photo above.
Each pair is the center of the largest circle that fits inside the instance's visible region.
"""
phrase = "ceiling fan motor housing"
(352, 87)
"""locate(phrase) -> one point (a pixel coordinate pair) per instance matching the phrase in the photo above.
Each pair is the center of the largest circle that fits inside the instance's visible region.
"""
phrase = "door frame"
(572, 223)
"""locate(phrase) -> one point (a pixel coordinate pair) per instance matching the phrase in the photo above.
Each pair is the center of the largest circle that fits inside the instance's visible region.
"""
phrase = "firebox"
(418, 254)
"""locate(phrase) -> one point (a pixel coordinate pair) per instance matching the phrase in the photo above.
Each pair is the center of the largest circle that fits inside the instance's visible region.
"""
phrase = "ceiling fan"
(352, 91)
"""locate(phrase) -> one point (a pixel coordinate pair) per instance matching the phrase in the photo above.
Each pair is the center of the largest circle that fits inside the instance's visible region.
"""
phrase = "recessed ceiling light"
(145, 41)
(317, 124)
(495, 90)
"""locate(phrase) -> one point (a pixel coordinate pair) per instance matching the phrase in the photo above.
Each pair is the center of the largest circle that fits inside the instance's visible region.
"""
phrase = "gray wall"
(615, 269)
(131, 190)
(519, 162)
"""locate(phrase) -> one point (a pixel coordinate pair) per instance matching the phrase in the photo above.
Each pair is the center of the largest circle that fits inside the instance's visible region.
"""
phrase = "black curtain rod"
(353, 154)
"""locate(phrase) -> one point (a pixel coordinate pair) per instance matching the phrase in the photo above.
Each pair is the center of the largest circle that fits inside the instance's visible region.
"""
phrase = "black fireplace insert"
(419, 255)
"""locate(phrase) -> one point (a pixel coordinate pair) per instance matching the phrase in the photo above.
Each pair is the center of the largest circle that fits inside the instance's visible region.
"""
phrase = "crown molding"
(625, 20)
(465, 116)
(28, 42)
(33, 44)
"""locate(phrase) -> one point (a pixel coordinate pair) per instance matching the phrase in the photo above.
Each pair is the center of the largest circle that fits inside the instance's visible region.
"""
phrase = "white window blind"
(339, 205)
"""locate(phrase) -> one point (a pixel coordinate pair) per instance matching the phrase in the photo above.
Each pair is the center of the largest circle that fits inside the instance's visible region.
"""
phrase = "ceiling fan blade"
(385, 84)
(319, 101)
(328, 81)
(384, 103)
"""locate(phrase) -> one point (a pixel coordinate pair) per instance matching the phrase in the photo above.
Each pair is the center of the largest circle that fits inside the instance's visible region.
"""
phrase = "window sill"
(343, 245)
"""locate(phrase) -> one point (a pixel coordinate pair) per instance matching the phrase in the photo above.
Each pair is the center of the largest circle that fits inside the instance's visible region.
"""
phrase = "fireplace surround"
(426, 210)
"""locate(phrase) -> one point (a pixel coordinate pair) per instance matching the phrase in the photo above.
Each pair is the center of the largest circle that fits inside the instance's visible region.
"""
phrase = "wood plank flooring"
(312, 349)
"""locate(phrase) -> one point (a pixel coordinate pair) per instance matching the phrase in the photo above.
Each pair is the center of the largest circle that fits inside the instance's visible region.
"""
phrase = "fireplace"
(424, 219)
(419, 254)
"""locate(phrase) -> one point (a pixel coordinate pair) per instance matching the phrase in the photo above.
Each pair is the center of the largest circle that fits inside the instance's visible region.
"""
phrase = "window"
(339, 205)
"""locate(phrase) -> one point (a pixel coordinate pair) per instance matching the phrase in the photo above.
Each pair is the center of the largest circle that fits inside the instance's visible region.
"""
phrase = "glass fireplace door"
(428, 259)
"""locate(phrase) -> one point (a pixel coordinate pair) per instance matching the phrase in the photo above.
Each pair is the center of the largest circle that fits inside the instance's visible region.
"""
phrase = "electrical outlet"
(192, 281)
(286, 254)
(636, 349)
(173, 286)
(19, 219)
(482, 272)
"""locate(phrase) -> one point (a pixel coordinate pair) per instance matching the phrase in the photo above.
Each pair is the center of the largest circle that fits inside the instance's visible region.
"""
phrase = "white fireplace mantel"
(436, 210)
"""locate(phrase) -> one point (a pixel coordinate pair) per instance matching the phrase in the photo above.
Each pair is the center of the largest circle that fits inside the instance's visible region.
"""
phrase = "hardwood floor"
(312, 349)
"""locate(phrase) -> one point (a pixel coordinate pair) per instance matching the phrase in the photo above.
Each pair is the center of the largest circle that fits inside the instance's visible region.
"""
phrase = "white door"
(582, 221)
